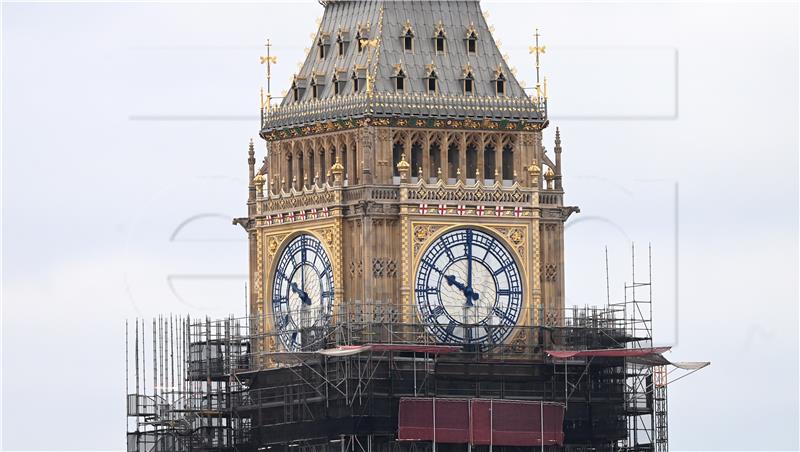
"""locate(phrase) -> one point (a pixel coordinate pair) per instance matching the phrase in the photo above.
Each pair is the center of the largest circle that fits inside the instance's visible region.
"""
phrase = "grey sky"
(93, 191)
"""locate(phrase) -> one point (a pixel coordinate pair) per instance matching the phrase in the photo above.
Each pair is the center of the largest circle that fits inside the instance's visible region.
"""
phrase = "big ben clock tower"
(406, 253)
(405, 183)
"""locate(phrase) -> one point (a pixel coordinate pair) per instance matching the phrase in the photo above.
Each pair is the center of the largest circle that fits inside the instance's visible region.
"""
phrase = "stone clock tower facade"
(405, 184)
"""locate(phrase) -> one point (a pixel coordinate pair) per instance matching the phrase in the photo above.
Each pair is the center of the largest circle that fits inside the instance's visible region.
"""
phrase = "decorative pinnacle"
(534, 169)
(337, 167)
(403, 164)
(259, 180)
(549, 175)
(251, 148)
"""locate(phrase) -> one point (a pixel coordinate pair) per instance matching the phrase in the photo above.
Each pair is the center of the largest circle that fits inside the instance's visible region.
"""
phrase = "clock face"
(468, 288)
(302, 293)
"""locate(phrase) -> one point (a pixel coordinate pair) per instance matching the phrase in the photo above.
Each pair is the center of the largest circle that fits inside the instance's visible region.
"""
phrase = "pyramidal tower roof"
(417, 59)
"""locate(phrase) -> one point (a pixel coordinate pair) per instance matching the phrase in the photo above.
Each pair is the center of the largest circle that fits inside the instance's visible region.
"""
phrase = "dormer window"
(408, 37)
(340, 45)
(408, 42)
(297, 90)
(440, 42)
(359, 43)
(472, 41)
(339, 84)
(314, 89)
(400, 80)
(320, 49)
(469, 84)
(500, 85)
(356, 82)
(335, 82)
(432, 81)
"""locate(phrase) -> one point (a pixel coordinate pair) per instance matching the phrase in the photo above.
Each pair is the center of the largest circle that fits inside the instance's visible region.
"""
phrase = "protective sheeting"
(646, 356)
(481, 422)
(347, 350)
(691, 365)
(609, 353)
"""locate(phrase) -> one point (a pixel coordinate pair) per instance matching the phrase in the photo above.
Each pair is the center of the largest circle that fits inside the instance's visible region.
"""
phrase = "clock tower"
(405, 187)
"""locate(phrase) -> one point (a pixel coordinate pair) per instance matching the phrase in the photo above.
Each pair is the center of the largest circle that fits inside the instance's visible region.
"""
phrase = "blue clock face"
(302, 293)
(468, 288)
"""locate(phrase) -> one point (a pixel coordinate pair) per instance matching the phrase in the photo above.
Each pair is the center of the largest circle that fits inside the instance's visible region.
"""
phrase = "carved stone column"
(366, 152)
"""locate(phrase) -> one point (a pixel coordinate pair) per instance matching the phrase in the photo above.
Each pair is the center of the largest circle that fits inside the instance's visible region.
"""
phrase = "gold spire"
(537, 49)
(267, 60)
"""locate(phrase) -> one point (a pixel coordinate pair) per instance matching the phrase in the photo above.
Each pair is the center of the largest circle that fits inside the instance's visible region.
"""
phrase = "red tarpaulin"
(609, 352)
(481, 422)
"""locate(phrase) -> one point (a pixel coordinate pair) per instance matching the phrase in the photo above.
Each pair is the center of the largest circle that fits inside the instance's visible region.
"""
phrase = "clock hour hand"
(300, 293)
(466, 290)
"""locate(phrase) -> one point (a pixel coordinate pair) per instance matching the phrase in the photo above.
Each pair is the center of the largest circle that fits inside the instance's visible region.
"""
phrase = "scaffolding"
(228, 385)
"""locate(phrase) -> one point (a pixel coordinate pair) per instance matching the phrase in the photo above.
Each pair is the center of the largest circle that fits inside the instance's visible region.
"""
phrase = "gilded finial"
(268, 60)
(419, 173)
(549, 176)
(439, 173)
(337, 167)
(477, 173)
(538, 50)
(259, 180)
(534, 170)
(403, 164)
(404, 169)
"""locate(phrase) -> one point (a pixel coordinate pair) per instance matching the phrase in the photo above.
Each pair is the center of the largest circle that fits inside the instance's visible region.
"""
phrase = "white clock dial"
(302, 293)
(468, 288)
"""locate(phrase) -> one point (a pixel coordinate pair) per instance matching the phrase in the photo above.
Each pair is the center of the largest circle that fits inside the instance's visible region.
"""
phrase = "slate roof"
(387, 21)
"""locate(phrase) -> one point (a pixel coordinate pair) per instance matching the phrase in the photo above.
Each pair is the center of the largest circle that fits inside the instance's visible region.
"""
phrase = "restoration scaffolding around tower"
(366, 382)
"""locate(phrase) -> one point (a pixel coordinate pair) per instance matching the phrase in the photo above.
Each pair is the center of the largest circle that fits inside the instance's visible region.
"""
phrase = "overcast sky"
(124, 139)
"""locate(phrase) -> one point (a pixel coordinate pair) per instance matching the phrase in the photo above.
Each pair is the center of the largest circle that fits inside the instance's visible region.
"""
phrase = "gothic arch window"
(416, 158)
(489, 155)
(300, 171)
(453, 162)
(344, 162)
(397, 152)
(435, 159)
(323, 168)
(311, 170)
(289, 170)
(472, 160)
(508, 162)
